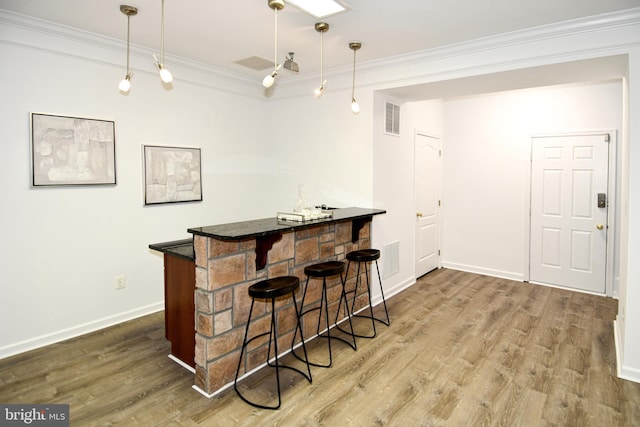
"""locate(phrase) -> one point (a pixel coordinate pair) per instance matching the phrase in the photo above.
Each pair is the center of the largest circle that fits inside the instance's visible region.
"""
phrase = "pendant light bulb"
(268, 81)
(319, 91)
(355, 107)
(165, 75)
(125, 84)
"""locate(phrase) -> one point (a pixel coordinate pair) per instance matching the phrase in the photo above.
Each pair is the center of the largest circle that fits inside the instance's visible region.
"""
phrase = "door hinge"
(439, 153)
(439, 202)
(438, 252)
(607, 138)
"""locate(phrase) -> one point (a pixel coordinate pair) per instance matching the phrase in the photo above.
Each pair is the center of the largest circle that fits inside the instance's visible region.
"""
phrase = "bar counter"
(228, 258)
(268, 226)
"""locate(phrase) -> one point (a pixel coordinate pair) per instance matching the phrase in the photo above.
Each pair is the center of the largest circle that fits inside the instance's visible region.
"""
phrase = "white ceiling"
(219, 32)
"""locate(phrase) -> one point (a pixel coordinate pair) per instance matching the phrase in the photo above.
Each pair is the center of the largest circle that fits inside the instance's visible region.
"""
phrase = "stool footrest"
(331, 337)
(364, 316)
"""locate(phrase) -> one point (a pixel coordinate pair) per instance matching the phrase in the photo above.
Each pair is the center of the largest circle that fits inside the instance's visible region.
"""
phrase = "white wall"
(325, 147)
(65, 245)
(485, 170)
(394, 179)
(628, 332)
(486, 167)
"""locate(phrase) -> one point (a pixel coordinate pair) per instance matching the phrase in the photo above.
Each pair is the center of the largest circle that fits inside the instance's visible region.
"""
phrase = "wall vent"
(391, 260)
(391, 118)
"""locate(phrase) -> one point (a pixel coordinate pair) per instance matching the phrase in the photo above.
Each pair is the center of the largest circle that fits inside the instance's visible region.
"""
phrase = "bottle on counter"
(301, 206)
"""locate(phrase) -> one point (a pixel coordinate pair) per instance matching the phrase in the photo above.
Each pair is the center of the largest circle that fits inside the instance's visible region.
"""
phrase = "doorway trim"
(612, 210)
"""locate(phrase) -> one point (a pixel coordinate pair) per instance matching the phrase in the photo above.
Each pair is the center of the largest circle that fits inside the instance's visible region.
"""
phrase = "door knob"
(419, 214)
(599, 226)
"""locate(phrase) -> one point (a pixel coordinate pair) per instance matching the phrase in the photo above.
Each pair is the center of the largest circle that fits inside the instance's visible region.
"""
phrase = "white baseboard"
(210, 395)
(624, 372)
(388, 293)
(65, 334)
(484, 271)
(181, 363)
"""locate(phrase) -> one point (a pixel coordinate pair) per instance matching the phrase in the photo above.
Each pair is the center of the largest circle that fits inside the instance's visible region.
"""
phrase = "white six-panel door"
(427, 175)
(568, 225)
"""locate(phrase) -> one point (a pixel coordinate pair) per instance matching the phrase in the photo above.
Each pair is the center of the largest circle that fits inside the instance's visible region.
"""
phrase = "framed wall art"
(171, 174)
(72, 151)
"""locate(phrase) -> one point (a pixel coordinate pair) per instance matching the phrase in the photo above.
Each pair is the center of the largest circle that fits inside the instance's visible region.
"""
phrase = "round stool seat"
(364, 255)
(272, 288)
(324, 269)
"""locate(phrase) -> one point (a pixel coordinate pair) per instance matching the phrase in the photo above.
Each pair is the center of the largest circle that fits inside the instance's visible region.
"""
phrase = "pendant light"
(276, 5)
(165, 75)
(125, 84)
(355, 107)
(321, 27)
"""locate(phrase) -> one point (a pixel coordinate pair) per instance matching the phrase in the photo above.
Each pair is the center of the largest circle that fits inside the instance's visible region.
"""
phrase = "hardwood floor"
(462, 350)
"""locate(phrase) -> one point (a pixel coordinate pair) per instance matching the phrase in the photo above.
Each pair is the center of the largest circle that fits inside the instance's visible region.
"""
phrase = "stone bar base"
(225, 270)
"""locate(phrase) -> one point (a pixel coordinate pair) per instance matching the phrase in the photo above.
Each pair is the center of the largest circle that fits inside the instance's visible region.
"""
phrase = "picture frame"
(171, 174)
(68, 150)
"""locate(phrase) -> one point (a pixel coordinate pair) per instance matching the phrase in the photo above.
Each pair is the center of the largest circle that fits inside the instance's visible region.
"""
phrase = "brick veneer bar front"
(225, 270)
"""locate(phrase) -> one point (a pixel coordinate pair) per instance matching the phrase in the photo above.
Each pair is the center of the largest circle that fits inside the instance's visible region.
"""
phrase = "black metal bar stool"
(272, 289)
(324, 270)
(366, 256)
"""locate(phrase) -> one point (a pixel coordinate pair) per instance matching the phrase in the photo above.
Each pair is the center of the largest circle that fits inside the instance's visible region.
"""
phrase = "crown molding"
(108, 51)
(42, 35)
(626, 18)
(427, 65)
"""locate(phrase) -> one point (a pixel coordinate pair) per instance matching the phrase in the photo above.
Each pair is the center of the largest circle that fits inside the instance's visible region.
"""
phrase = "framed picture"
(171, 174)
(72, 151)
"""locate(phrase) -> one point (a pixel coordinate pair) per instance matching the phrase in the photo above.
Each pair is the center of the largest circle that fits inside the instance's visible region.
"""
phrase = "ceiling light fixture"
(355, 107)
(290, 65)
(165, 75)
(125, 84)
(321, 27)
(276, 5)
(318, 8)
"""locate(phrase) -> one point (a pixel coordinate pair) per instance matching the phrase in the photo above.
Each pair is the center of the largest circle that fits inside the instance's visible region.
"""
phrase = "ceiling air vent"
(255, 63)
(392, 119)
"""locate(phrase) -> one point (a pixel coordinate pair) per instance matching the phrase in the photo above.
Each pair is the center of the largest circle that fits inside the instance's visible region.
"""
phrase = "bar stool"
(324, 270)
(366, 256)
(271, 289)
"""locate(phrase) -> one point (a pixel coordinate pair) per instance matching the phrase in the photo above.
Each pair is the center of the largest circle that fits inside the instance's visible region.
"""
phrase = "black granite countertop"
(181, 248)
(268, 226)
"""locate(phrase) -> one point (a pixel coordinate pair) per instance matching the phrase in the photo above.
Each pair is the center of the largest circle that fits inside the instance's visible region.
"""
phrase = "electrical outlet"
(121, 282)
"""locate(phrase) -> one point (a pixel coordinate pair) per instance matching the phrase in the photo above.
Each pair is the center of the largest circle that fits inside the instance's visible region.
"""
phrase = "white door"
(427, 173)
(569, 211)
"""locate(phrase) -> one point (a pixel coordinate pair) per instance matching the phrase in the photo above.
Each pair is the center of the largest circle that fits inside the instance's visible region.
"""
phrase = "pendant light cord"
(321, 59)
(275, 44)
(162, 36)
(128, 38)
(353, 82)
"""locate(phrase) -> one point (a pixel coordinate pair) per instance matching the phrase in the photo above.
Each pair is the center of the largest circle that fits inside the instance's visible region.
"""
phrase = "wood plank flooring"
(462, 350)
